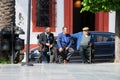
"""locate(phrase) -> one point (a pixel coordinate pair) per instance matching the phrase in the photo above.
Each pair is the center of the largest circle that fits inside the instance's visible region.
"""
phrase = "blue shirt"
(64, 40)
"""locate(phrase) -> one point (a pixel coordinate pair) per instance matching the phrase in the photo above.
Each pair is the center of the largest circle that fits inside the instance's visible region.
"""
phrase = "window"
(44, 13)
(104, 38)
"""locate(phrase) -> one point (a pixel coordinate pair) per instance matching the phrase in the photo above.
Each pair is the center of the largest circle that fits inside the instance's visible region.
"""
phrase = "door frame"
(101, 18)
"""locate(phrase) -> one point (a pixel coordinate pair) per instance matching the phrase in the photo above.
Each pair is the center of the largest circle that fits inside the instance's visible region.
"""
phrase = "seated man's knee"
(71, 50)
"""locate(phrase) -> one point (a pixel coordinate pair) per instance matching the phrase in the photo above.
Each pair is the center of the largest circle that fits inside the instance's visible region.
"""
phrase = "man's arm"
(41, 41)
(59, 41)
(70, 43)
(76, 35)
(52, 41)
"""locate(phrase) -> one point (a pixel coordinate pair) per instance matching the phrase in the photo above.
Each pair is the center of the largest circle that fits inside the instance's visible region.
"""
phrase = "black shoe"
(86, 62)
(68, 60)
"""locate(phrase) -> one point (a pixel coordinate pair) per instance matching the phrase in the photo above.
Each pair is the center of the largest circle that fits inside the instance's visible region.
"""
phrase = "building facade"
(59, 13)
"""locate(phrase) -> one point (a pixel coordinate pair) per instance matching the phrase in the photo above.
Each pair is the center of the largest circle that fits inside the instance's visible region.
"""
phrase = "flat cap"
(85, 28)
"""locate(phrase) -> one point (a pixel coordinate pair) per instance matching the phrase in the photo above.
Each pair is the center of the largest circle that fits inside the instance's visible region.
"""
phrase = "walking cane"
(90, 52)
(90, 56)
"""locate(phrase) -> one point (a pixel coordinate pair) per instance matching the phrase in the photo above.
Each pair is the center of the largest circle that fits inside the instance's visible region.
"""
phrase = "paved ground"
(98, 71)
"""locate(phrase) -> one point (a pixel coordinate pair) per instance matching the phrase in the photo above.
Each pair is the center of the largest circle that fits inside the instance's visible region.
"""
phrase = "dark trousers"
(86, 53)
(66, 54)
(52, 57)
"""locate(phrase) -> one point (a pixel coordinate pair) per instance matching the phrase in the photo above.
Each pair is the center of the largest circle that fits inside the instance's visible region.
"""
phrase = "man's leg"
(53, 57)
(86, 54)
(82, 53)
(63, 55)
(46, 56)
(40, 57)
(90, 54)
(69, 54)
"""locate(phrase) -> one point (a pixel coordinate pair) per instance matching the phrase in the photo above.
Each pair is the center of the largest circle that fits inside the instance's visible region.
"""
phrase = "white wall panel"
(112, 22)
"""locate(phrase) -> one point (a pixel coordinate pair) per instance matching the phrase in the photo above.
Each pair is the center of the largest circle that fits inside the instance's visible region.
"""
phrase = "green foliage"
(4, 61)
(100, 5)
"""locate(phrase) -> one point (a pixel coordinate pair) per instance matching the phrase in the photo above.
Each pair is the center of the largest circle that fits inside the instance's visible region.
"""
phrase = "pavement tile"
(100, 71)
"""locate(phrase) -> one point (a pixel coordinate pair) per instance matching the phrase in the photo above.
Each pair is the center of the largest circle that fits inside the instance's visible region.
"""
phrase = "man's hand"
(66, 48)
(90, 44)
(47, 44)
(60, 49)
(51, 46)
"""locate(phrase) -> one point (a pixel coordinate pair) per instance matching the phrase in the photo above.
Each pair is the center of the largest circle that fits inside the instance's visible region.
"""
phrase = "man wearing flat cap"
(84, 40)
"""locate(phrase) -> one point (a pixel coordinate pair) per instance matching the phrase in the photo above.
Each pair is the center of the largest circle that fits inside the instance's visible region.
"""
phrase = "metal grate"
(45, 12)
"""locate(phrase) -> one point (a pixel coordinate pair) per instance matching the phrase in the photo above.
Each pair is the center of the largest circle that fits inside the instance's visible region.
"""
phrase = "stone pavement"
(97, 71)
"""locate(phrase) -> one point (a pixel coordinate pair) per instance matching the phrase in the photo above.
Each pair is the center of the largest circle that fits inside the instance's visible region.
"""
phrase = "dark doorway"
(81, 20)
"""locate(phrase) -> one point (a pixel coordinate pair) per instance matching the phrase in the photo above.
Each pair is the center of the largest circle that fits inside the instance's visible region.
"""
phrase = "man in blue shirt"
(64, 43)
(84, 41)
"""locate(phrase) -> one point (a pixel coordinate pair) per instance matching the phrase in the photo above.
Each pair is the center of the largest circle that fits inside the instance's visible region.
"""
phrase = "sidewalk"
(99, 71)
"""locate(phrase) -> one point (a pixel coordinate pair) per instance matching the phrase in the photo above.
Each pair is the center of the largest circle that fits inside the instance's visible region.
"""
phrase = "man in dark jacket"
(64, 43)
(46, 45)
